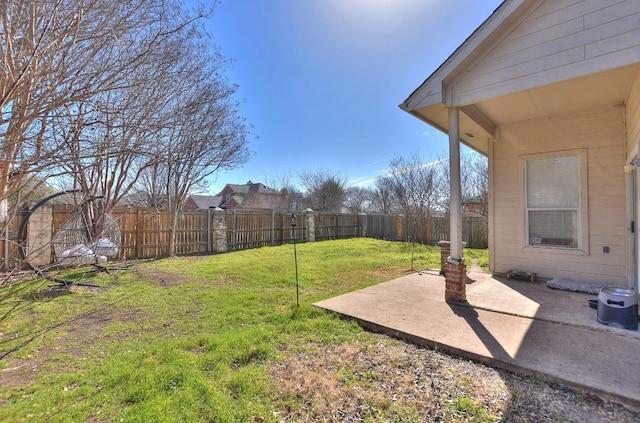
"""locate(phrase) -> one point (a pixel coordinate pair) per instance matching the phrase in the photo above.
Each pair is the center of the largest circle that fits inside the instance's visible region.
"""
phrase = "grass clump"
(468, 410)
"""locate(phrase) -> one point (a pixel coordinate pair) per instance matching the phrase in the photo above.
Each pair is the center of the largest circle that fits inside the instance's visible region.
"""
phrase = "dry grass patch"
(393, 381)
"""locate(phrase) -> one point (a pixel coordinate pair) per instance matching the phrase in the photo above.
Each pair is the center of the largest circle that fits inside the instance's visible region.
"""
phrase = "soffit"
(560, 98)
(563, 97)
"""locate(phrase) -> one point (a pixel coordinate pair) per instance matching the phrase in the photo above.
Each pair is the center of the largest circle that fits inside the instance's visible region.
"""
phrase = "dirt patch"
(164, 279)
(394, 381)
(79, 334)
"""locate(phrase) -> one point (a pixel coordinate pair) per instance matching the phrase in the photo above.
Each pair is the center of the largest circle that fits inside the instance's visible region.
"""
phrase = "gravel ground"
(394, 381)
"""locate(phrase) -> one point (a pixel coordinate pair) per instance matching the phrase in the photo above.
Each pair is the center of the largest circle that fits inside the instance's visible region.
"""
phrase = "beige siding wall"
(559, 40)
(601, 132)
(633, 118)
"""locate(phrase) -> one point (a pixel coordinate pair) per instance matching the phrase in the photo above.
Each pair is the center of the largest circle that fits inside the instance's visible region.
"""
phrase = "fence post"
(309, 225)
(6, 246)
(208, 230)
(362, 225)
(273, 228)
(139, 232)
(219, 231)
(233, 229)
(399, 227)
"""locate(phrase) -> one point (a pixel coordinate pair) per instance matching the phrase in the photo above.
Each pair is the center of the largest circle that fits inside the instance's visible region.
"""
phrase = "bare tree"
(206, 134)
(290, 193)
(31, 189)
(474, 181)
(150, 190)
(417, 187)
(112, 143)
(325, 191)
(358, 199)
(383, 198)
(58, 56)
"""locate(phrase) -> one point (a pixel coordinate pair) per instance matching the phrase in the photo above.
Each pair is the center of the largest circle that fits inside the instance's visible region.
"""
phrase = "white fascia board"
(431, 91)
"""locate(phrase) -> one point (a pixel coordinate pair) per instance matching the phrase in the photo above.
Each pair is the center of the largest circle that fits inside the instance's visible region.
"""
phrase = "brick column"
(455, 277)
(445, 252)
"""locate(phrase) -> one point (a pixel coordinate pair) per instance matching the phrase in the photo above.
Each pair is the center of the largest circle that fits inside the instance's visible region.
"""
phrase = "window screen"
(553, 201)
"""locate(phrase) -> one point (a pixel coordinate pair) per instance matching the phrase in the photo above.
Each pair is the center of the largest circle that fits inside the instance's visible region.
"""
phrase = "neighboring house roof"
(236, 188)
(250, 196)
(206, 201)
(249, 187)
(517, 65)
(234, 200)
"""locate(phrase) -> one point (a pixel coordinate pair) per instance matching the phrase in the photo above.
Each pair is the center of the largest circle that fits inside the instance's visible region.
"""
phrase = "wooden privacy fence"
(436, 228)
(145, 232)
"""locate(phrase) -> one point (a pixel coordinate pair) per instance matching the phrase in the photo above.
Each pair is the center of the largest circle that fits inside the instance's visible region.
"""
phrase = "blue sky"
(320, 81)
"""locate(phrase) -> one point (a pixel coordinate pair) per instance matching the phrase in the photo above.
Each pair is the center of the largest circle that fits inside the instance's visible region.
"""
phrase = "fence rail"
(145, 232)
(336, 226)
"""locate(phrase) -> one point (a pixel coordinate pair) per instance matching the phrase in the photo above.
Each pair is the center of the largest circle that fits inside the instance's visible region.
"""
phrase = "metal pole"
(295, 256)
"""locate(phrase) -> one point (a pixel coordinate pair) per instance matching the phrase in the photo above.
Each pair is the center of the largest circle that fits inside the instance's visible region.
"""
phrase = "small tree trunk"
(172, 233)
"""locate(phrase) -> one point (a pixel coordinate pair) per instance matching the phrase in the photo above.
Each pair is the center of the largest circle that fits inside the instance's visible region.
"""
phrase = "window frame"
(582, 224)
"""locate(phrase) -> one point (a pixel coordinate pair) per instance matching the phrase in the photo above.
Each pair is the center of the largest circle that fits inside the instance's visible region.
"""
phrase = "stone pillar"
(455, 279)
(219, 227)
(39, 234)
(362, 225)
(309, 223)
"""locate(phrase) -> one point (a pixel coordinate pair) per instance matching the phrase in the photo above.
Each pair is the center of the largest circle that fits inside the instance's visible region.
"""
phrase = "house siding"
(601, 132)
(633, 118)
(559, 40)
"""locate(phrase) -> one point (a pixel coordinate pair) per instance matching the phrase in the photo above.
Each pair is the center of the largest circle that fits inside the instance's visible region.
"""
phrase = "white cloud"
(363, 183)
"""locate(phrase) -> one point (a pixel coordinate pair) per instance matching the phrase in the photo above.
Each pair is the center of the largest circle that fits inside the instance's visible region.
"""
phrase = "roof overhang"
(482, 116)
(476, 131)
(480, 122)
(429, 101)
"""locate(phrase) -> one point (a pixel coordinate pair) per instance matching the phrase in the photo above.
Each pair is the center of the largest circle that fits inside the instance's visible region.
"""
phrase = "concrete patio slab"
(517, 325)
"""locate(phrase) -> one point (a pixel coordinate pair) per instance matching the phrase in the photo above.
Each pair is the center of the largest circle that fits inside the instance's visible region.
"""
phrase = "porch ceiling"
(478, 120)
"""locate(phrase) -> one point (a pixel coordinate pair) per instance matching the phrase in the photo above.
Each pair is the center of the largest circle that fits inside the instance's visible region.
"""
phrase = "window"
(554, 200)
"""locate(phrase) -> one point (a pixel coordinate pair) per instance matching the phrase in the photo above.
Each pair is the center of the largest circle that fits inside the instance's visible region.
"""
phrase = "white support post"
(455, 197)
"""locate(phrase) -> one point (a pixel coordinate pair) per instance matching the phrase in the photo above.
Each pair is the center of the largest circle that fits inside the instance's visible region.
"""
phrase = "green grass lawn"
(184, 339)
